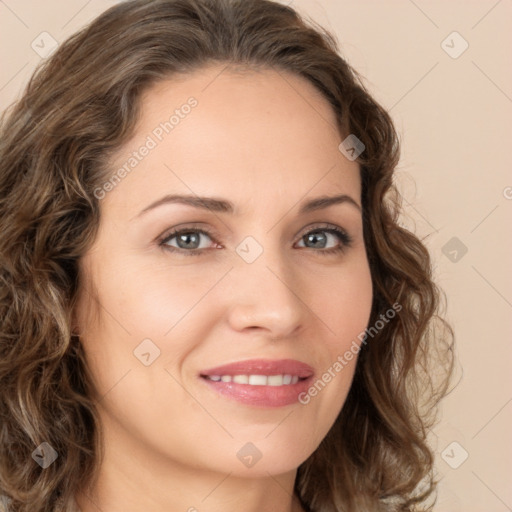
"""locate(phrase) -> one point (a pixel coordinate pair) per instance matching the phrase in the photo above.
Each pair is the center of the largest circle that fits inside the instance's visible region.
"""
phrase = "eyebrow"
(224, 206)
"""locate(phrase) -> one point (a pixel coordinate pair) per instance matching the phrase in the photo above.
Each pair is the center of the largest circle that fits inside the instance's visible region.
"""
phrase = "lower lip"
(262, 396)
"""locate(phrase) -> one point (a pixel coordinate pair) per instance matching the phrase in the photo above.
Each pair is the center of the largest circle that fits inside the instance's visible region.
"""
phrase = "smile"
(260, 382)
(257, 380)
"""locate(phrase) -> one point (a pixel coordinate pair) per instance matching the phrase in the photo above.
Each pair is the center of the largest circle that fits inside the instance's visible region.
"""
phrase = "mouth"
(260, 382)
(257, 380)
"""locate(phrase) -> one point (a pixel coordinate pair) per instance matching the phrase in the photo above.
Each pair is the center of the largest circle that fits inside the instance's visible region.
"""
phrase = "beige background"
(454, 118)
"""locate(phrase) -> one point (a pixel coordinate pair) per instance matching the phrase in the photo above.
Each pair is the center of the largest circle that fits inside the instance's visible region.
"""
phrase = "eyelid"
(318, 226)
(176, 230)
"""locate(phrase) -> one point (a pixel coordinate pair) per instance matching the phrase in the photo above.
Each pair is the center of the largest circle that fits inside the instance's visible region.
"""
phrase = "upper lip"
(262, 367)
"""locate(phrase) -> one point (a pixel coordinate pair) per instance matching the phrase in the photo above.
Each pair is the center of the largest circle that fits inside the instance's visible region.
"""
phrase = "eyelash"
(345, 239)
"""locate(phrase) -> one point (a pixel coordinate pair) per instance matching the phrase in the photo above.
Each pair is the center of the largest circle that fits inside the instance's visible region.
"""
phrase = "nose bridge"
(266, 293)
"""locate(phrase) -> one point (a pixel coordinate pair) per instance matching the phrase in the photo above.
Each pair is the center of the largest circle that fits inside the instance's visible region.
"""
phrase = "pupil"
(315, 237)
(185, 237)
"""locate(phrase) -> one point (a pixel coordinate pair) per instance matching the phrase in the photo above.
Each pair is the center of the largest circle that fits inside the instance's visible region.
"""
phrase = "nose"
(267, 296)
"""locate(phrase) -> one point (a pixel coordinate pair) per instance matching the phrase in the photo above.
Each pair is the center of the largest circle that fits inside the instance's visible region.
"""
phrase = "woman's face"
(257, 280)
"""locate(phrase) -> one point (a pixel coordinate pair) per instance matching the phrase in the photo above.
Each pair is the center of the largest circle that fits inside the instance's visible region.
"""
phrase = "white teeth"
(257, 380)
(275, 380)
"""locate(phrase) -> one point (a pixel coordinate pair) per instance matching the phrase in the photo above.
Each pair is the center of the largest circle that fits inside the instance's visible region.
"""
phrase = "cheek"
(169, 306)
(162, 296)
(346, 312)
(343, 302)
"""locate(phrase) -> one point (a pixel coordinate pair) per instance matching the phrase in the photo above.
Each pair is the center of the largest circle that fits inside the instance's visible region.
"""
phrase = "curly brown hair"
(79, 107)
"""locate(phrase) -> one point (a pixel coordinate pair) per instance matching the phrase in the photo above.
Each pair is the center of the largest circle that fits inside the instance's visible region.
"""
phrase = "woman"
(207, 302)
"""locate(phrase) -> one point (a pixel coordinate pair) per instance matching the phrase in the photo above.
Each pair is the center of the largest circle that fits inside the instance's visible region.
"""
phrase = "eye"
(193, 241)
(187, 240)
(319, 238)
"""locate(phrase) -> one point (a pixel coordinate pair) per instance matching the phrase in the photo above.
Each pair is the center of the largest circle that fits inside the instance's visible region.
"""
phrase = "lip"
(261, 396)
(263, 367)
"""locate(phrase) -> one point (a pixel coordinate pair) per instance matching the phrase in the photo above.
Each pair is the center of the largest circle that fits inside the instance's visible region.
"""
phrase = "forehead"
(241, 103)
(220, 129)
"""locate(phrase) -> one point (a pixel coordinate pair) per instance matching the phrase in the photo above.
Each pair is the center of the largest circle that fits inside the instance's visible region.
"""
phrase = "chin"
(258, 459)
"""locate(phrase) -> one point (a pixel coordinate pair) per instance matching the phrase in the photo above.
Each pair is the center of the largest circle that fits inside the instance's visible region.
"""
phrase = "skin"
(265, 141)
